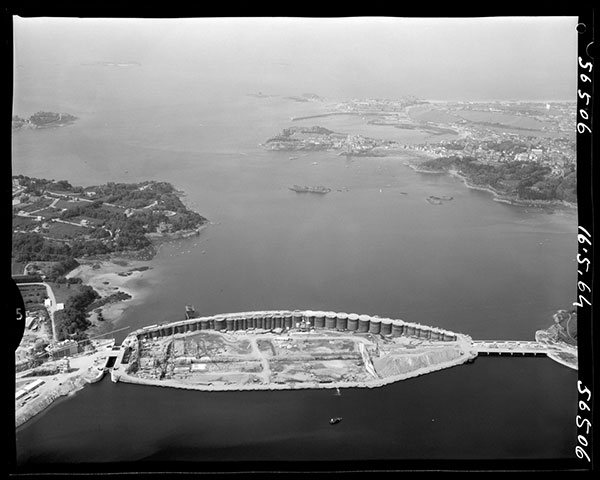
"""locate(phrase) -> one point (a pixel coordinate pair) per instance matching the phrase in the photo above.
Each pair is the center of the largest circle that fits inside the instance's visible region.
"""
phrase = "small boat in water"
(335, 420)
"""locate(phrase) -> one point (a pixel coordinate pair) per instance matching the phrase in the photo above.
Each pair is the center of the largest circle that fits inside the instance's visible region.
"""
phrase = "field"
(62, 291)
(91, 221)
(23, 223)
(49, 213)
(66, 230)
(17, 267)
(60, 204)
(37, 205)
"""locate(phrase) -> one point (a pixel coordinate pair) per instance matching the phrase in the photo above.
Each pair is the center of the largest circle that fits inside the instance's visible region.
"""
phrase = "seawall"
(287, 319)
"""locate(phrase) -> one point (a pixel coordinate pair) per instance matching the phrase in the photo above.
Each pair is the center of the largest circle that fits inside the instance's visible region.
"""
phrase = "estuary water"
(372, 245)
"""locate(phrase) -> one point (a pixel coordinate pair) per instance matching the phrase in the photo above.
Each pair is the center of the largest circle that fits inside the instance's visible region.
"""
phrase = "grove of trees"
(72, 321)
(527, 180)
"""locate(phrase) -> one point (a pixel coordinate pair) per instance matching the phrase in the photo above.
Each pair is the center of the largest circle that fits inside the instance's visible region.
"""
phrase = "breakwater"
(321, 115)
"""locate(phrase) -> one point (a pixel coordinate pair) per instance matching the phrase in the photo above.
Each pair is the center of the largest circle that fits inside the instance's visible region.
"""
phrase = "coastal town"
(538, 133)
(536, 139)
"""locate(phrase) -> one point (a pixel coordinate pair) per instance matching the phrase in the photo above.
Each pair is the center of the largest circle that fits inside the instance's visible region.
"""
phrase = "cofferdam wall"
(280, 320)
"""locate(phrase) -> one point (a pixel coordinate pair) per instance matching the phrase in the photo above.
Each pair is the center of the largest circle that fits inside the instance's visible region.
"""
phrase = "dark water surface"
(496, 408)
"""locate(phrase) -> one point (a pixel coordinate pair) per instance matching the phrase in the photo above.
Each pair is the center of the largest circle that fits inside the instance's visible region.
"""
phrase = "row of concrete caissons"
(271, 320)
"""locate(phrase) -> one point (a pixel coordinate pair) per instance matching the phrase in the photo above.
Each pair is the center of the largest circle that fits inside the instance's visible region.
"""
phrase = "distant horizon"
(451, 59)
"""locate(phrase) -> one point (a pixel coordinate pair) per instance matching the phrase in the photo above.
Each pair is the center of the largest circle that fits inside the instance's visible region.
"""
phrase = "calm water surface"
(373, 245)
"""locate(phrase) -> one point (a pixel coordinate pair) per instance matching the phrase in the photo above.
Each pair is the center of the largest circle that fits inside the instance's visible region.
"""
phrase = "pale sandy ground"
(106, 281)
(85, 368)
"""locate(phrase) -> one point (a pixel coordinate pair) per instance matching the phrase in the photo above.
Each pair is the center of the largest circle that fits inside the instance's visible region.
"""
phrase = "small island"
(261, 95)
(310, 189)
(43, 120)
(306, 97)
(434, 200)
(318, 138)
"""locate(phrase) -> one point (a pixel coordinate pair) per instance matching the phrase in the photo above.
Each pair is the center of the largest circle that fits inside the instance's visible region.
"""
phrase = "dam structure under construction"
(283, 349)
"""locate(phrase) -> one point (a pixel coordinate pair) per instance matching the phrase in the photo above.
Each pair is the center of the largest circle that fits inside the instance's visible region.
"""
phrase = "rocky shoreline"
(498, 196)
(178, 235)
(116, 274)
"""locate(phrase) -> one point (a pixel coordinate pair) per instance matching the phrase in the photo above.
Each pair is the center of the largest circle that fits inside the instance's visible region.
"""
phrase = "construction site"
(299, 349)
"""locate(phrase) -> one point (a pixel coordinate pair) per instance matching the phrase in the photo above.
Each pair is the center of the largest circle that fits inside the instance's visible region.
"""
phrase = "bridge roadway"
(511, 347)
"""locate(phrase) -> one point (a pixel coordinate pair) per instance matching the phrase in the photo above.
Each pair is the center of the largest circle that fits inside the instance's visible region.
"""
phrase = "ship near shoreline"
(308, 189)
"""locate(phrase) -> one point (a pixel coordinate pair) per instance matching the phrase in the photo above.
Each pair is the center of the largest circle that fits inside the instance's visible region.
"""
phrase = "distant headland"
(43, 120)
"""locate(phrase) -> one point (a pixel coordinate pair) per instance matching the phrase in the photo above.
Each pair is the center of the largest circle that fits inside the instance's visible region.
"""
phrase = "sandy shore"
(103, 276)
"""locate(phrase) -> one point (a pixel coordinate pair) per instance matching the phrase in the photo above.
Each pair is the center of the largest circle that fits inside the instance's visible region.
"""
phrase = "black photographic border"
(586, 175)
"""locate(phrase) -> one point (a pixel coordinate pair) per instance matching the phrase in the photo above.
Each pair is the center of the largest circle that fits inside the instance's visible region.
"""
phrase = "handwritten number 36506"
(582, 126)
(583, 422)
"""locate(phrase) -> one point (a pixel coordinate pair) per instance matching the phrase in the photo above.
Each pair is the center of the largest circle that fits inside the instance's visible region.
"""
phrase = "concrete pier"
(363, 323)
(397, 329)
(319, 320)
(353, 322)
(330, 320)
(268, 321)
(341, 322)
(386, 326)
(295, 318)
(375, 325)
(220, 323)
(290, 321)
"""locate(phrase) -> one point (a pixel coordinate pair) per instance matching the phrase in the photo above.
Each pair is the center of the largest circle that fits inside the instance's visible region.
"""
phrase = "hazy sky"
(443, 58)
